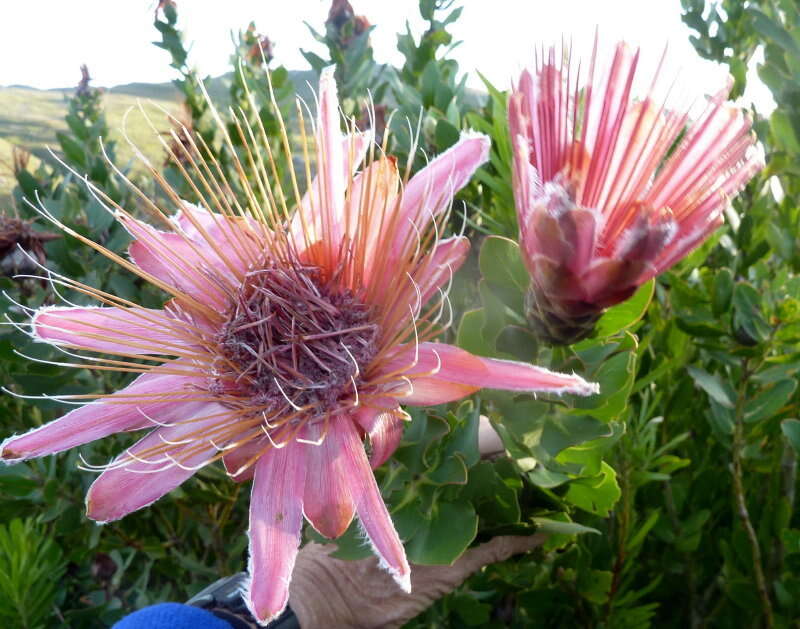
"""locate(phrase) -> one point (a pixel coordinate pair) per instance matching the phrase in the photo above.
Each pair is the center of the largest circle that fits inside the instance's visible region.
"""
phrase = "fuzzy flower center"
(293, 340)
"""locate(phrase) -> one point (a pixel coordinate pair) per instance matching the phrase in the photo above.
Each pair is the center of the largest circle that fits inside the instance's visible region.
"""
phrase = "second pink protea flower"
(605, 199)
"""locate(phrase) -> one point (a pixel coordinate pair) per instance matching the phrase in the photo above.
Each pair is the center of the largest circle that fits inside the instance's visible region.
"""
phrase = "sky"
(45, 41)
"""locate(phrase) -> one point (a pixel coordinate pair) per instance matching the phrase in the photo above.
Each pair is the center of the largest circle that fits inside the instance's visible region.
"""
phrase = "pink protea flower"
(287, 341)
(605, 201)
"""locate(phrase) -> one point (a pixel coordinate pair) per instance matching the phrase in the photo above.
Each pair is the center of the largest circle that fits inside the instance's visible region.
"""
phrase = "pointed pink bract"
(119, 330)
(327, 502)
(371, 510)
(384, 428)
(141, 479)
(441, 373)
(431, 190)
(135, 407)
(276, 516)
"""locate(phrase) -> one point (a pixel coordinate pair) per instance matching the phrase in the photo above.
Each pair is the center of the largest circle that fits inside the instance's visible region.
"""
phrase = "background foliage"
(670, 498)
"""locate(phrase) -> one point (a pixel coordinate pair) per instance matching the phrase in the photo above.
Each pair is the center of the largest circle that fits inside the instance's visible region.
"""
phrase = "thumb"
(495, 550)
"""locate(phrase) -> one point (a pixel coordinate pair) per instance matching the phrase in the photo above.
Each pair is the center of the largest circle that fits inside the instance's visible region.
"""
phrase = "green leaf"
(420, 442)
(791, 430)
(542, 476)
(451, 471)
(597, 494)
(463, 438)
(563, 431)
(783, 133)
(123, 285)
(501, 264)
(722, 292)
(470, 333)
(63, 251)
(472, 612)
(769, 401)
(615, 375)
(31, 568)
(518, 342)
(586, 458)
(773, 31)
(98, 218)
(560, 529)
(749, 325)
(429, 81)
(73, 151)
(443, 537)
(692, 531)
(698, 322)
(314, 60)
(28, 184)
(720, 392)
(77, 127)
(446, 135)
(721, 418)
(738, 70)
(528, 430)
(637, 538)
(13, 481)
(624, 315)
(791, 540)
(494, 500)
(556, 527)
(595, 585)
(496, 314)
(426, 9)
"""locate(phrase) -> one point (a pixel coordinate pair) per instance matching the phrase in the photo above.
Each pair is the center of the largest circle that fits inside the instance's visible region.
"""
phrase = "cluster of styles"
(296, 329)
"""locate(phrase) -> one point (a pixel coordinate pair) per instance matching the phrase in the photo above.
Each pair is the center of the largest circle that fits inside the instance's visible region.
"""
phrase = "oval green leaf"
(624, 315)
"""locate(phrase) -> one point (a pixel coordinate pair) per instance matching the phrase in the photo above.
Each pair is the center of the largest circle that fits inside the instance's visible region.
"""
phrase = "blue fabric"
(171, 616)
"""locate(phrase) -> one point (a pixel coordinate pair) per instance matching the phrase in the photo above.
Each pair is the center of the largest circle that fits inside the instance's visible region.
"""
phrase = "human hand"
(328, 592)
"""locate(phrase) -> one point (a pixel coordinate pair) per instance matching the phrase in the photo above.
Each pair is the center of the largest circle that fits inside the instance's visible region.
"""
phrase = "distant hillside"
(30, 117)
(160, 91)
(218, 87)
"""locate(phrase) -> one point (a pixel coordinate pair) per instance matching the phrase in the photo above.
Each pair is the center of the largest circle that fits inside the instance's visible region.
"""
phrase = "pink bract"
(605, 199)
(287, 341)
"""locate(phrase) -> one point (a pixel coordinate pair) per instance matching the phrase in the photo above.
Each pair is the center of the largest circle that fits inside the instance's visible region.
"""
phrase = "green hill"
(30, 118)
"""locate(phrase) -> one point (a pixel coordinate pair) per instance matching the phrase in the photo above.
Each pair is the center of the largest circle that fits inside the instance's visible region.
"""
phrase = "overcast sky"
(43, 42)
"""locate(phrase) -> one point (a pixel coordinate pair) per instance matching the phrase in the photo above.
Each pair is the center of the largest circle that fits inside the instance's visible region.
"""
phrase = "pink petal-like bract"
(287, 342)
(612, 188)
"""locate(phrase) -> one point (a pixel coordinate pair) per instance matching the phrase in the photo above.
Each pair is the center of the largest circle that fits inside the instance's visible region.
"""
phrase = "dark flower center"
(294, 341)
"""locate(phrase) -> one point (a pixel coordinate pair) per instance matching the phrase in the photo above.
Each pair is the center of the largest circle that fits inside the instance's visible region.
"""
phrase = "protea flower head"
(288, 340)
(610, 189)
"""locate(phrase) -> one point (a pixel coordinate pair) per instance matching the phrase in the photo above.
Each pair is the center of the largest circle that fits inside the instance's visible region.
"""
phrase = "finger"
(429, 583)
(441, 579)
(496, 550)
